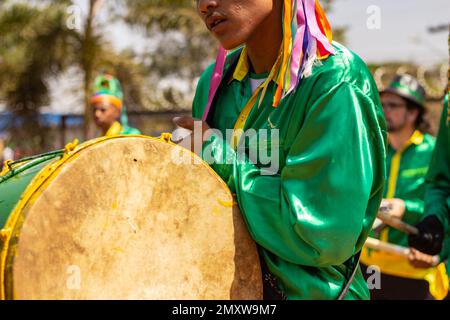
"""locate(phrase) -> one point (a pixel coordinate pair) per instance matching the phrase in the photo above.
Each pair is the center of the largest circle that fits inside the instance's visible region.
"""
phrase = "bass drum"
(127, 217)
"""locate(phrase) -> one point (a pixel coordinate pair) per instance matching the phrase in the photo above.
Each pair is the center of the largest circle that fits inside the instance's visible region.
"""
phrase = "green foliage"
(35, 44)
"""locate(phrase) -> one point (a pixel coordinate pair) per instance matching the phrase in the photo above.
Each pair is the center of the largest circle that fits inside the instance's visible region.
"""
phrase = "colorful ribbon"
(307, 36)
(215, 80)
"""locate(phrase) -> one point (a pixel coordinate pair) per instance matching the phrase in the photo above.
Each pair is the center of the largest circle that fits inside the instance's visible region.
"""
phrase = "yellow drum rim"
(14, 223)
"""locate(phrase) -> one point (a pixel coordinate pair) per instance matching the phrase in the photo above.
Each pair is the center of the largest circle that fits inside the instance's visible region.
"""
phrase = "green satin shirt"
(437, 198)
(314, 212)
(410, 182)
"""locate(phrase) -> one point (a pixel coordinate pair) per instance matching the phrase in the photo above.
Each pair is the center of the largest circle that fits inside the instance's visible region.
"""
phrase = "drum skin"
(119, 218)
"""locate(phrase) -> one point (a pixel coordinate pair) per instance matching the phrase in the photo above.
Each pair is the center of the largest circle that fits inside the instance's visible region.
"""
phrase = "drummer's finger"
(411, 255)
(184, 122)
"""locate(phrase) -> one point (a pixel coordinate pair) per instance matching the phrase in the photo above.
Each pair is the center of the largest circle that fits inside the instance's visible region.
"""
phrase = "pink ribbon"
(310, 6)
(215, 80)
(297, 51)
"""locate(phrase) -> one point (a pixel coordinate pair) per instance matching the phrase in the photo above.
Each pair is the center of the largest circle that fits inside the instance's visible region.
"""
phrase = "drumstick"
(397, 223)
(376, 244)
(378, 223)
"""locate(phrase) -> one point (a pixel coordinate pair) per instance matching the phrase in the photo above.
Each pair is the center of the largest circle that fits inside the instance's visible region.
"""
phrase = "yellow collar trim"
(114, 130)
(417, 138)
(243, 68)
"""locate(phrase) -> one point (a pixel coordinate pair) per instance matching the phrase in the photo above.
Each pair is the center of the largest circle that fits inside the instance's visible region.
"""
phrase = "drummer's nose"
(98, 113)
(203, 6)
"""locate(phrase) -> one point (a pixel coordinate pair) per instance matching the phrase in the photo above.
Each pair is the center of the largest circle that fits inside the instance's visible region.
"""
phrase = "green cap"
(407, 87)
(110, 84)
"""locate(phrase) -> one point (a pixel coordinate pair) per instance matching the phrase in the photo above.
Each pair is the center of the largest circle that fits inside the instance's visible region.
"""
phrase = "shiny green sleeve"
(437, 198)
(312, 212)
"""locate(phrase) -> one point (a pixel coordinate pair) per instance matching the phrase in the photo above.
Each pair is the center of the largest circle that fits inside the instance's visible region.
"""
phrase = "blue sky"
(403, 34)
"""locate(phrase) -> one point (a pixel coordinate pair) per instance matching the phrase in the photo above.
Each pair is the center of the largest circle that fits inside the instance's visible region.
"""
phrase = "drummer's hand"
(393, 207)
(192, 124)
(431, 236)
(420, 260)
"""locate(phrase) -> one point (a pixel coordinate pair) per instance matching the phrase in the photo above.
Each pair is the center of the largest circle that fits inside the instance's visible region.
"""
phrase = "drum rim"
(13, 226)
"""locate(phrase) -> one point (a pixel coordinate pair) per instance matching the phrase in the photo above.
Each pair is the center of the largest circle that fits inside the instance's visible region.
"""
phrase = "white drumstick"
(377, 224)
(180, 134)
(376, 244)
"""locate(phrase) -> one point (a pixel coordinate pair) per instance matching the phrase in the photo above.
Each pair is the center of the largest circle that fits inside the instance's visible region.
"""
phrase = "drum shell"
(13, 183)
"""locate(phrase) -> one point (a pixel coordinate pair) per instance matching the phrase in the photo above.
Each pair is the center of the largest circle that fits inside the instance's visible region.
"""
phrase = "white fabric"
(255, 83)
(8, 154)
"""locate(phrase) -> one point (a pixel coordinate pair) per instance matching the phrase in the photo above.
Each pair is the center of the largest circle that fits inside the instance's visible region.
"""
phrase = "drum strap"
(351, 278)
(271, 289)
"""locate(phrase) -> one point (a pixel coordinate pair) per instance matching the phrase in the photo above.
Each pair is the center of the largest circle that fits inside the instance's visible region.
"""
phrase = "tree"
(185, 48)
(35, 45)
(89, 52)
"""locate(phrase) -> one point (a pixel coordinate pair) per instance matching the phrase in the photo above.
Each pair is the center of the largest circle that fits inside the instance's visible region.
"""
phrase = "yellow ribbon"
(243, 116)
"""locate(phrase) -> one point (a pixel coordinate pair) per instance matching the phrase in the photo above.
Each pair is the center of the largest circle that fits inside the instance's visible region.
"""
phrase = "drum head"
(122, 220)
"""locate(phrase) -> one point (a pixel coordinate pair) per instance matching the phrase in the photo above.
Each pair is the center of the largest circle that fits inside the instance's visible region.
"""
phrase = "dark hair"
(420, 124)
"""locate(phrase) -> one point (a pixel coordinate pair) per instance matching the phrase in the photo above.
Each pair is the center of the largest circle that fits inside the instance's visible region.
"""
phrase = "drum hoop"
(38, 184)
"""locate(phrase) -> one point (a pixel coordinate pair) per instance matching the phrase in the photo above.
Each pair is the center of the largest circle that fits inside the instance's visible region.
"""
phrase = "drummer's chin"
(229, 40)
(102, 125)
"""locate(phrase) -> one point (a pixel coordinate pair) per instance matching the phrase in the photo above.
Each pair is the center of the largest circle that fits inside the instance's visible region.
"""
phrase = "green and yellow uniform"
(407, 168)
(107, 88)
(310, 216)
(437, 201)
(118, 129)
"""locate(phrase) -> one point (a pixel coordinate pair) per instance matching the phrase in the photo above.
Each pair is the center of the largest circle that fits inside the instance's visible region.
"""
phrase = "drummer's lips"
(216, 22)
